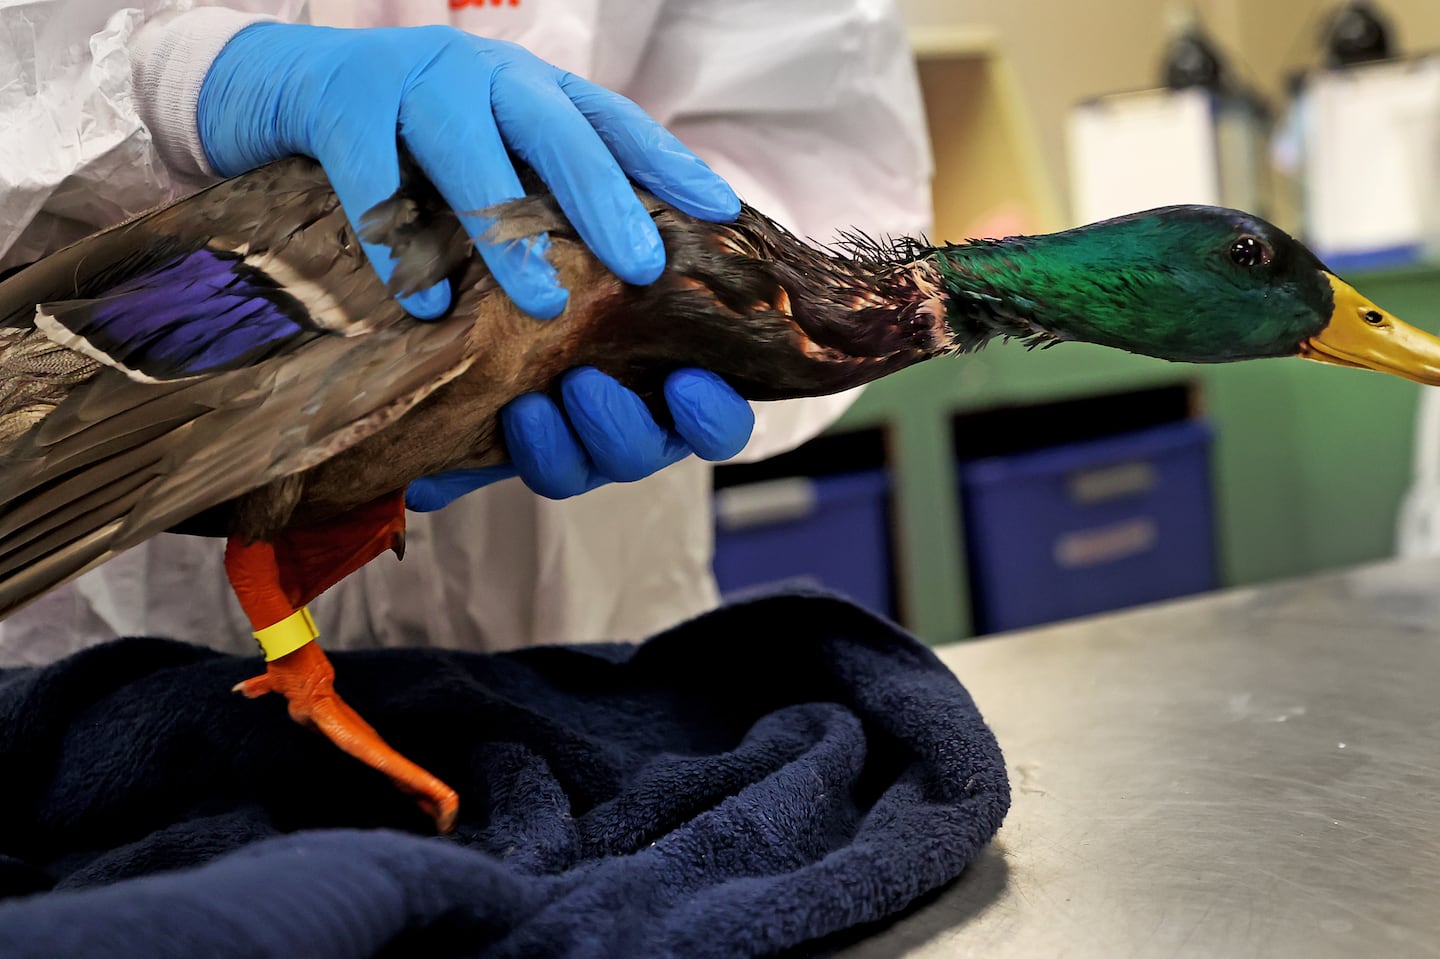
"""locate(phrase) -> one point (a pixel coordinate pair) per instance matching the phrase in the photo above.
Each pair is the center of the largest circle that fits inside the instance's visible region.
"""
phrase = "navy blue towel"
(753, 781)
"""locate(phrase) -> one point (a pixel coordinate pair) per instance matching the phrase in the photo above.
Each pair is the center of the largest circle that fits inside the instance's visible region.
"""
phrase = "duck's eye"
(1374, 318)
(1249, 251)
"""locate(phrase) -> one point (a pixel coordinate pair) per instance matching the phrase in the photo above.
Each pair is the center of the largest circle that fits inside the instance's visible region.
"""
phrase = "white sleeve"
(812, 110)
(98, 103)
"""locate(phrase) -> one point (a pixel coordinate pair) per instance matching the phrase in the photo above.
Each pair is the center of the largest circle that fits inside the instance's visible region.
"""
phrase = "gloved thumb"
(430, 493)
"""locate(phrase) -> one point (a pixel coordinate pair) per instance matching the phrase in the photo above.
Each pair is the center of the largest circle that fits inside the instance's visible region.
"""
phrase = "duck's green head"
(1186, 283)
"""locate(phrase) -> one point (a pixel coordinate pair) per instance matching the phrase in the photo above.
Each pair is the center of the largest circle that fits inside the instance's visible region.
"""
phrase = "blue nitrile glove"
(461, 104)
(614, 437)
(344, 96)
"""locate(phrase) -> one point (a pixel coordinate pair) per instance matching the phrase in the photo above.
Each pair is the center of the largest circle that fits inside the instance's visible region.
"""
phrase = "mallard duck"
(228, 365)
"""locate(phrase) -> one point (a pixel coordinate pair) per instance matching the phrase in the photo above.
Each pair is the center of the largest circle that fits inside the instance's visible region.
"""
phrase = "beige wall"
(1061, 51)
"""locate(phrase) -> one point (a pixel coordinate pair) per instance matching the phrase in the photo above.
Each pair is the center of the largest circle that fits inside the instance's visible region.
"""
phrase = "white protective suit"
(810, 109)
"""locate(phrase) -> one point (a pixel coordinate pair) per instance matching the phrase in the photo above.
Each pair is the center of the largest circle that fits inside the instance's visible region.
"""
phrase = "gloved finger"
(545, 454)
(651, 154)
(361, 158)
(436, 492)
(714, 419)
(541, 126)
(458, 146)
(615, 426)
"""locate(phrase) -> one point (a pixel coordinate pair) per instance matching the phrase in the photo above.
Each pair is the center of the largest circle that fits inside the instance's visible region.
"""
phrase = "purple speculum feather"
(196, 313)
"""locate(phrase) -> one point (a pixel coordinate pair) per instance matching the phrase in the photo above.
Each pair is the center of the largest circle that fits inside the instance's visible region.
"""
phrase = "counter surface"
(1252, 773)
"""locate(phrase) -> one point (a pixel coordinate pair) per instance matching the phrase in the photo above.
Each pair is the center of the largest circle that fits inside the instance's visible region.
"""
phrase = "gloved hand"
(343, 97)
(615, 439)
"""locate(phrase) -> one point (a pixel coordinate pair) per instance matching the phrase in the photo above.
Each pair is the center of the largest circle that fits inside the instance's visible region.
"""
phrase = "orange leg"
(274, 581)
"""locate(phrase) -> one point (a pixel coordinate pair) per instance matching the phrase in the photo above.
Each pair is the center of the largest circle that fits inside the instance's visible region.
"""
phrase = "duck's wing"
(196, 353)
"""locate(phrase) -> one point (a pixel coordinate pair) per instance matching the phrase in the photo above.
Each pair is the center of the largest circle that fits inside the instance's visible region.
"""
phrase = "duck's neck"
(998, 288)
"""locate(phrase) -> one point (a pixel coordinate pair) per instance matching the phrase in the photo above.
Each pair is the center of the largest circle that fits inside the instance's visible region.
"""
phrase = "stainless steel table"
(1252, 773)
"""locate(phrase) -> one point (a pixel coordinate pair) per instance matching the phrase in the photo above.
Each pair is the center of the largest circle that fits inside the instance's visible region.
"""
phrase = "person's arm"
(81, 84)
(812, 111)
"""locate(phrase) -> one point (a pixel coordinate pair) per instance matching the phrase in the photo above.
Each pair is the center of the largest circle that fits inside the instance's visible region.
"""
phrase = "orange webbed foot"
(306, 679)
(273, 580)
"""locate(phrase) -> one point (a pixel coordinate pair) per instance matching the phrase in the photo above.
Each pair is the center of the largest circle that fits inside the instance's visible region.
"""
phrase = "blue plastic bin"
(1087, 527)
(833, 531)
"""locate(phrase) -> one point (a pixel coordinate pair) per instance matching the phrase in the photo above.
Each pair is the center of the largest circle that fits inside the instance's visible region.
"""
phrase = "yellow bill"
(1362, 336)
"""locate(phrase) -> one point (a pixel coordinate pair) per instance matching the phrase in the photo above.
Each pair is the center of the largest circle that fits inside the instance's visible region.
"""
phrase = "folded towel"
(760, 778)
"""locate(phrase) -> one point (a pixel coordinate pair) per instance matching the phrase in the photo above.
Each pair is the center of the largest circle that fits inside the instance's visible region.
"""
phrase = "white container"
(1371, 163)
(1135, 151)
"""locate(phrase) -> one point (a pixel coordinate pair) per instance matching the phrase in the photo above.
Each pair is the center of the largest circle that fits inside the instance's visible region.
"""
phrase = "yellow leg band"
(288, 635)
